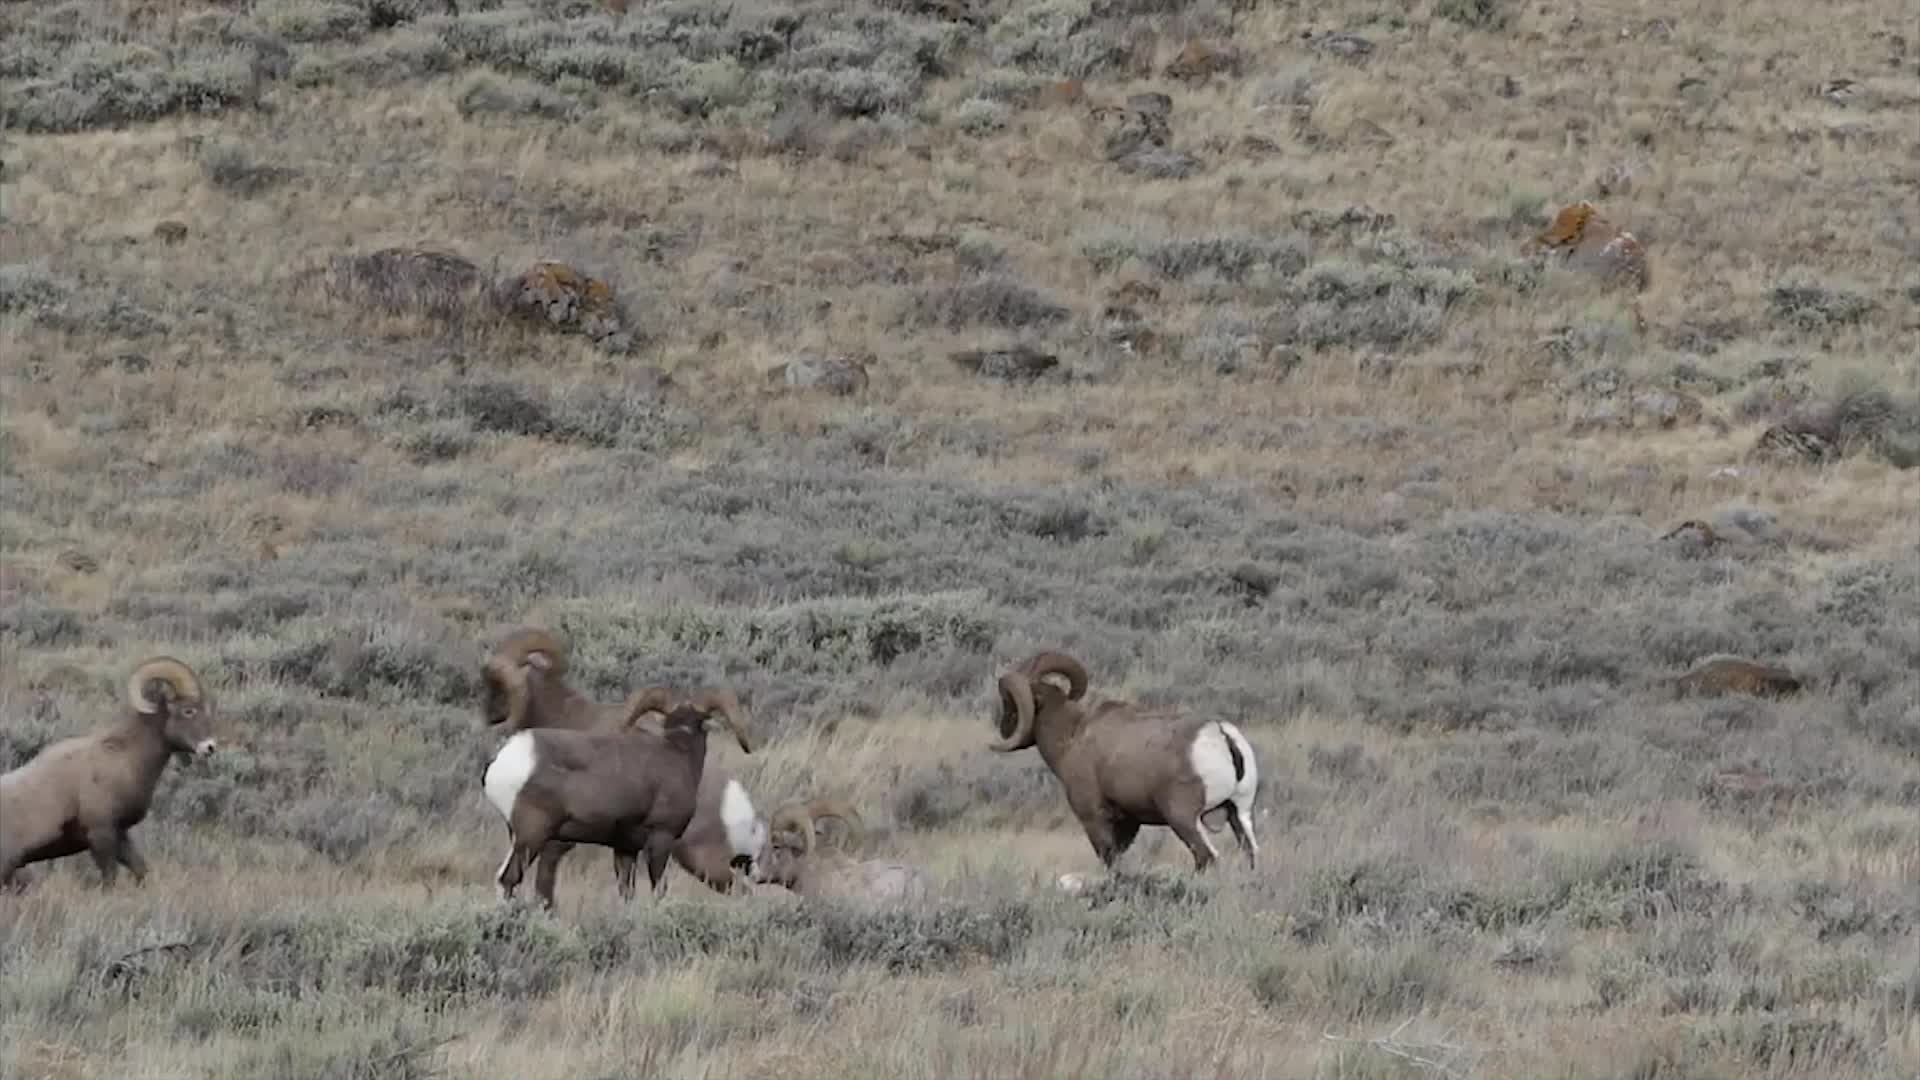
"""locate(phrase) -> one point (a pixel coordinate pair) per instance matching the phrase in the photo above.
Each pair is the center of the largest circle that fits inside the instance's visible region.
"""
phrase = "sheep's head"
(525, 654)
(166, 692)
(792, 832)
(1025, 693)
(699, 709)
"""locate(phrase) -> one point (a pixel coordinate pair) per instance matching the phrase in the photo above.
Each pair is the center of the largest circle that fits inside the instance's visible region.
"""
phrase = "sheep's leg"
(659, 850)
(103, 843)
(130, 858)
(1242, 827)
(1192, 834)
(512, 870)
(547, 870)
(626, 867)
(1100, 833)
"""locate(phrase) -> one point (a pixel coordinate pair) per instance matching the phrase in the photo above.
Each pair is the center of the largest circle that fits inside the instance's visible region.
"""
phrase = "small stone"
(1342, 44)
(840, 375)
(170, 232)
(77, 561)
(1017, 363)
(1159, 164)
(1151, 104)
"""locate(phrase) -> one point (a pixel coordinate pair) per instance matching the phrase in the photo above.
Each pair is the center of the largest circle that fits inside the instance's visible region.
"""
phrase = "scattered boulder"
(1787, 444)
(1842, 92)
(170, 232)
(559, 295)
(77, 561)
(1724, 674)
(1156, 163)
(1693, 536)
(1340, 43)
(838, 374)
(1354, 218)
(1151, 104)
(1588, 241)
(1123, 130)
(409, 279)
(1018, 363)
(1201, 60)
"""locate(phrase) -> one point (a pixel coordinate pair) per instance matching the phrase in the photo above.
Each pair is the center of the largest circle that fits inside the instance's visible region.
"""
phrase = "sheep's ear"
(161, 692)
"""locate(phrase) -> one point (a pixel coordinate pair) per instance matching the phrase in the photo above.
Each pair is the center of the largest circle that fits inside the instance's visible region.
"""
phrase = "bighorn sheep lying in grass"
(633, 790)
(524, 687)
(1124, 766)
(84, 793)
(792, 858)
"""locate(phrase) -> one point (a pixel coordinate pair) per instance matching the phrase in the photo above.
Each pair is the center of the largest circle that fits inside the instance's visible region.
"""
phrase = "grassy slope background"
(1338, 496)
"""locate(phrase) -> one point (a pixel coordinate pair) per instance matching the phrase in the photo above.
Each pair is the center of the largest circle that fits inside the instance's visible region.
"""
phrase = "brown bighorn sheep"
(1124, 766)
(84, 793)
(791, 858)
(524, 687)
(633, 789)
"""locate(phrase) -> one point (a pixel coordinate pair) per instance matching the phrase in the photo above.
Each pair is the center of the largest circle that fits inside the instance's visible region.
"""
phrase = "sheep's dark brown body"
(85, 793)
(1719, 675)
(1124, 767)
(524, 687)
(633, 790)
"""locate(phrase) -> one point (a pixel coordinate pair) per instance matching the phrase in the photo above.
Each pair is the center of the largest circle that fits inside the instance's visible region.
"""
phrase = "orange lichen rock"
(564, 297)
(1723, 674)
(1589, 241)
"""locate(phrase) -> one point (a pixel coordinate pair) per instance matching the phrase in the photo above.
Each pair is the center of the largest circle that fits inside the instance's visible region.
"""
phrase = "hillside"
(338, 339)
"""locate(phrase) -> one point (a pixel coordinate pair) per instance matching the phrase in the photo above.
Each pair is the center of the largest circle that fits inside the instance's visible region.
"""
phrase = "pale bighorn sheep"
(524, 687)
(633, 789)
(1124, 766)
(792, 858)
(84, 793)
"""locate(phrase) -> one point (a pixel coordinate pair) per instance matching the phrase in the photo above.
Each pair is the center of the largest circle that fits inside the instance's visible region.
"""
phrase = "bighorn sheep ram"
(1124, 766)
(524, 687)
(633, 789)
(84, 793)
(792, 858)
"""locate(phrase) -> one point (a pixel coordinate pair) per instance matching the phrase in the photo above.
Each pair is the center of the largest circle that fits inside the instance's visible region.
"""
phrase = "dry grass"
(1349, 491)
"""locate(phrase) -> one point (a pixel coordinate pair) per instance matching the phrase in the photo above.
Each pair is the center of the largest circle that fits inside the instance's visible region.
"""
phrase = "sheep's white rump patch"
(1212, 761)
(745, 832)
(508, 773)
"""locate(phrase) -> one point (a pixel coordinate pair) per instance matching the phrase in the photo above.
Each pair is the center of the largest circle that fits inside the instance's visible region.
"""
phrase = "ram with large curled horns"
(85, 793)
(793, 858)
(633, 789)
(524, 686)
(1124, 766)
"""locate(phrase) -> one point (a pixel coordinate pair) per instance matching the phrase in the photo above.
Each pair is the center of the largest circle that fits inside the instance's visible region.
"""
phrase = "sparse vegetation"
(1266, 416)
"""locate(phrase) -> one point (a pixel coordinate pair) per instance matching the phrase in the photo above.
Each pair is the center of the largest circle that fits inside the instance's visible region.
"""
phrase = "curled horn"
(1059, 663)
(835, 808)
(1016, 700)
(537, 647)
(654, 699)
(723, 701)
(793, 818)
(165, 669)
